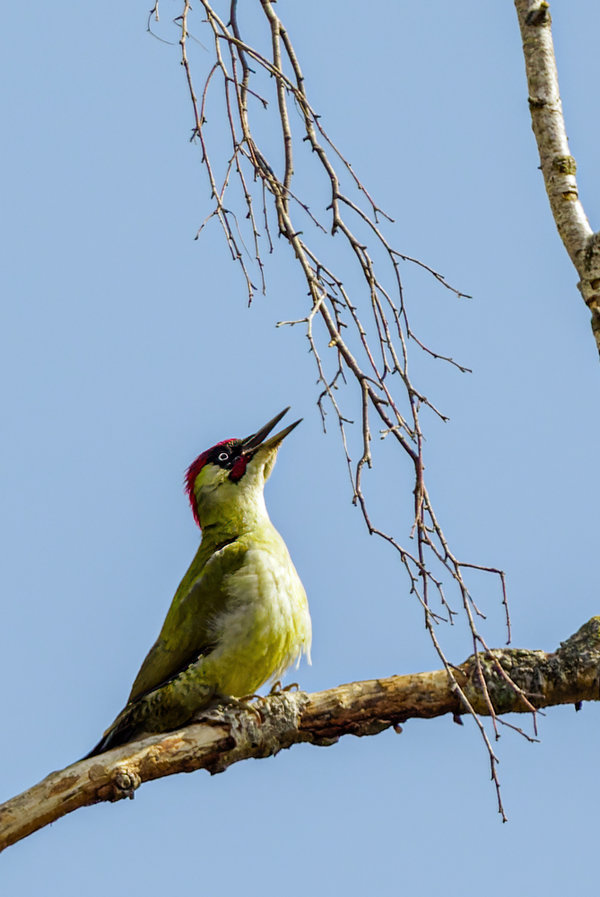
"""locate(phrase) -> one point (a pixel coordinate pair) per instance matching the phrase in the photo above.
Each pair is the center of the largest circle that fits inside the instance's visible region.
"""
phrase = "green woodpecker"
(240, 615)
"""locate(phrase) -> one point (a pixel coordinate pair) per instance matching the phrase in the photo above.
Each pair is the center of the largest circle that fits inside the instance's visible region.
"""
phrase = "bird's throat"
(224, 523)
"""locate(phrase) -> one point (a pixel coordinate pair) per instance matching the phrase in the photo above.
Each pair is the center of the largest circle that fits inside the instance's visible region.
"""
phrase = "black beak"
(257, 440)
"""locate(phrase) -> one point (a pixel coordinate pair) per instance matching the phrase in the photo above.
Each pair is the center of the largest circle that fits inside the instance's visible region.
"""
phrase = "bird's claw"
(224, 703)
(245, 703)
(278, 688)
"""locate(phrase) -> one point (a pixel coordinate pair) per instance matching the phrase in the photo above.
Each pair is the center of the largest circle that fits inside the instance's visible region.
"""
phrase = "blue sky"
(127, 348)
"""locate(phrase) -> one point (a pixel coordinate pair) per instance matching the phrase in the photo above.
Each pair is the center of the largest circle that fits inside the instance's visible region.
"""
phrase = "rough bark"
(557, 164)
(228, 734)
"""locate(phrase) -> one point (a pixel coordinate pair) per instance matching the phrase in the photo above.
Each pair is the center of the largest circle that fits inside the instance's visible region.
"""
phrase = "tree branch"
(226, 734)
(557, 164)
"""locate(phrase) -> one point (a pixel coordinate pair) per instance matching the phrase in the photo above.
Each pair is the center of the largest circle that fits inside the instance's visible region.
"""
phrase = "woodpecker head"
(232, 474)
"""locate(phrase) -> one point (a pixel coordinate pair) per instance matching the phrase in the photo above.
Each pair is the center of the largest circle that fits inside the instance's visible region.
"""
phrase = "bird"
(240, 615)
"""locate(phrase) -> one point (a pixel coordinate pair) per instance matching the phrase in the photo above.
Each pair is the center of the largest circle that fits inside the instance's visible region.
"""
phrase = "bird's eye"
(223, 457)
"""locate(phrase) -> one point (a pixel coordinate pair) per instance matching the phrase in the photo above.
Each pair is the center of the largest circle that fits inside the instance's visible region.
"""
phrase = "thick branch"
(557, 164)
(227, 735)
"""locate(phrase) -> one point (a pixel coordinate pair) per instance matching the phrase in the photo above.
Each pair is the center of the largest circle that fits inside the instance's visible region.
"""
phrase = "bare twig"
(356, 320)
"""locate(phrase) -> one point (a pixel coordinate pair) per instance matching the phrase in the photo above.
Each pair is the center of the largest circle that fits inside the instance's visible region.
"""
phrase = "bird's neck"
(227, 521)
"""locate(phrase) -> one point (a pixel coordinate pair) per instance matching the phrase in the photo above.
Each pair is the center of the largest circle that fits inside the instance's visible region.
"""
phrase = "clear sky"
(127, 348)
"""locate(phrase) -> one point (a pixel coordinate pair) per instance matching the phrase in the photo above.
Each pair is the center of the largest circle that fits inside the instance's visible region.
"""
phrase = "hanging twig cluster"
(360, 336)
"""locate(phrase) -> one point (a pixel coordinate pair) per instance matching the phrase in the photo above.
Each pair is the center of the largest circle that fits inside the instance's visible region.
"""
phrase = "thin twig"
(356, 320)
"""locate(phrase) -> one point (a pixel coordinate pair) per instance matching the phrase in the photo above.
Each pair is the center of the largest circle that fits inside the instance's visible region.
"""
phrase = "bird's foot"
(248, 703)
(223, 703)
(278, 688)
(243, 703)
(247, 698)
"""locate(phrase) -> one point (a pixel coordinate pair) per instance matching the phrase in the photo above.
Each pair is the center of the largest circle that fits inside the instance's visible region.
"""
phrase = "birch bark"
(557, 164)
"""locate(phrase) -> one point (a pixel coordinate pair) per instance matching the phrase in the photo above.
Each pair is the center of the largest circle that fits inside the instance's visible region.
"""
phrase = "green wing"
(188, 629)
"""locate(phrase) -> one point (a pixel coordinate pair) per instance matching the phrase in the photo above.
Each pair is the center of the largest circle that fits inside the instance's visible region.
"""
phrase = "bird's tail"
(125, 728)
